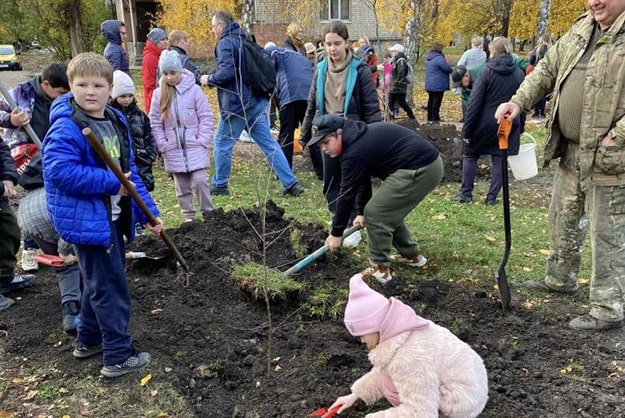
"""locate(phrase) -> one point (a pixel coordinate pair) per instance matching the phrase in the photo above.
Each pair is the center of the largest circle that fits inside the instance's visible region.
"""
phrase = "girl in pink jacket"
(182, 126)
(422, 369)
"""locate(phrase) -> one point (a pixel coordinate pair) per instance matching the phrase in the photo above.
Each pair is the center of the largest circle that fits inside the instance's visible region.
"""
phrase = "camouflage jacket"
(604, 99)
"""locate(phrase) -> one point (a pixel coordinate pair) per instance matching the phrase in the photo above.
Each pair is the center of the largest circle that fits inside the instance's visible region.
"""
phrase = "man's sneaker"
(590, 323)
(219, 191)
(17, 282)
(461, 198)
(293, 190)
(410, 260)
(541, 285)
(352, 240)
(381, 273)
(28, 260)
(82, 351)
(71, 316)
(5, 303)
(132, 364)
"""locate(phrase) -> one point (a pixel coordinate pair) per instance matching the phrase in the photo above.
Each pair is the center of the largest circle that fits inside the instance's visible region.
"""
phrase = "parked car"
(9, 59)
(35, 44)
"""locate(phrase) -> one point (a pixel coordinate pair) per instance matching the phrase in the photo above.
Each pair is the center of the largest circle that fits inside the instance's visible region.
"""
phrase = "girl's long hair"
(168, 94)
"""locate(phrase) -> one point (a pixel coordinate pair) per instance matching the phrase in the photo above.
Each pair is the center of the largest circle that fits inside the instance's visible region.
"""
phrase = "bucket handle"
(529, 135)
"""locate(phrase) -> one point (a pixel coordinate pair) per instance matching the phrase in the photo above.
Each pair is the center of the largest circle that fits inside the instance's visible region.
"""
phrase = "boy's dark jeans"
(10, 242)
(105, 309)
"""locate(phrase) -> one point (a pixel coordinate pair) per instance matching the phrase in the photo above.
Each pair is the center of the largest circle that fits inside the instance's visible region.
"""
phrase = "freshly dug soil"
(210, 339)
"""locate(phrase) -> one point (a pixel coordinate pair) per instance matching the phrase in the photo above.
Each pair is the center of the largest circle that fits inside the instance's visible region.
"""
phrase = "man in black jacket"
(10, 242)
(410, 168)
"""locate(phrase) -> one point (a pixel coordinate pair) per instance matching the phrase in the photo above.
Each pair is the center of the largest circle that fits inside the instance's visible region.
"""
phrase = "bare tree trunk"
(247, 15)
(505, 21)
(543, 19)
(74, 14)
(411, 38)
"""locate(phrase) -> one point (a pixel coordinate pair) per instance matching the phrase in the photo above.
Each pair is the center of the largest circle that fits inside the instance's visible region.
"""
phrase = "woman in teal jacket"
(342, 86)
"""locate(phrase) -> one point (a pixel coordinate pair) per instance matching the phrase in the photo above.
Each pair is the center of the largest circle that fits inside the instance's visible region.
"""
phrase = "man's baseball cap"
(324, 125)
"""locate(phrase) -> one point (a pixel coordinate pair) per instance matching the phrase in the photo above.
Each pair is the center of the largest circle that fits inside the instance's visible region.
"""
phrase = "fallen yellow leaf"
(146, 379)
(490, 239)
(544, 252)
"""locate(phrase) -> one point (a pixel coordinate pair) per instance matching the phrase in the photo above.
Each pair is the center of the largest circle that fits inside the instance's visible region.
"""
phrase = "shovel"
(321, 412)
(312, 257)
(50, 260)
(99, 149)
(502, 280)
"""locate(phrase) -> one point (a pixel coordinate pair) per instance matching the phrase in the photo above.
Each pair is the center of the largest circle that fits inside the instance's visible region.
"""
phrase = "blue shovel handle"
(312, 257)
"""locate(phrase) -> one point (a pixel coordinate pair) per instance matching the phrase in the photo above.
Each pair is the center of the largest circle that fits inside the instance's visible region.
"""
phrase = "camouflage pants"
(606, 209)
(567, 224)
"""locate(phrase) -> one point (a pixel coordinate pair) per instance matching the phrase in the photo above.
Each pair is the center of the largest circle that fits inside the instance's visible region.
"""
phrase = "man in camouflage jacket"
(586, 72)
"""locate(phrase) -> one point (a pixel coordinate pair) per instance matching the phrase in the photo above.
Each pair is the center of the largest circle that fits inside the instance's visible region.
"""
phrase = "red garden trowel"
(50, 260)
(321, 412)
(312, 257)
(502, 281)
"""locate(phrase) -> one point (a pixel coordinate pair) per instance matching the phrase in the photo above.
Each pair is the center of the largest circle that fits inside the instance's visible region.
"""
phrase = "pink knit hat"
(366, 308)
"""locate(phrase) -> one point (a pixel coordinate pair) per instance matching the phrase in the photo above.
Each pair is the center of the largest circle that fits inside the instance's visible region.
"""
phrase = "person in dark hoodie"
(33, 99)
(495, 85)
(399, 81)
(437, 72)
(179, 42)
(410, 167)
(114, 32)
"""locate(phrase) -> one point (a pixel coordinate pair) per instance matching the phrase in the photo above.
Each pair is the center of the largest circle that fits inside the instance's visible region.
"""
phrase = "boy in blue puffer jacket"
(90, 209)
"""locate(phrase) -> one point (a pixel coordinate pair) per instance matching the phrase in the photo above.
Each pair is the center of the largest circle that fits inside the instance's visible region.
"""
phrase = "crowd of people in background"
(338, 94)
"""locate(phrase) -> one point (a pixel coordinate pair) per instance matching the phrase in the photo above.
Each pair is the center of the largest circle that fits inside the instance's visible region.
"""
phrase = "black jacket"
(143, 145)
(399, 72)
(495, 85)
(7, 171)
(365, 155)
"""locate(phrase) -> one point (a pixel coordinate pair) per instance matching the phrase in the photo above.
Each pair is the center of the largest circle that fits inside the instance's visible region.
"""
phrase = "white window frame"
(327, 16)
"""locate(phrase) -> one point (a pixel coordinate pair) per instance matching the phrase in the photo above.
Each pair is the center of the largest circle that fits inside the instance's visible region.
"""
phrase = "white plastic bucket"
(524, 165)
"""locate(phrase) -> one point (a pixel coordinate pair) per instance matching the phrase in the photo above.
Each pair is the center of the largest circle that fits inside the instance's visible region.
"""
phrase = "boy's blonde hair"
(89, 64)
(176, 36)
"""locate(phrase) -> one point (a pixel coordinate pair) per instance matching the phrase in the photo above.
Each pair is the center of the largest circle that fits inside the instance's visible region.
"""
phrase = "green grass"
(260, 280)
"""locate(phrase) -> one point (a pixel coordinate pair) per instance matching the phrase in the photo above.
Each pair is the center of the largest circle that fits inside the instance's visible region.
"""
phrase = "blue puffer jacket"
(294, 75)
(437, 72)
(233, 95)
(78, 184)
(113, 51)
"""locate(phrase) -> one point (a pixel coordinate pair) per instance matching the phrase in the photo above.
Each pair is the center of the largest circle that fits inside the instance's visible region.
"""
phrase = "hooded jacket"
(113, 51)
(184, 139)
(79, 185)
(604, 94)
(437, 72)
(375, 150)
(423, 372)
(495, 85)
(233, 95)
(361, 98)
(293, 75)
(399, 72)
(149, 70)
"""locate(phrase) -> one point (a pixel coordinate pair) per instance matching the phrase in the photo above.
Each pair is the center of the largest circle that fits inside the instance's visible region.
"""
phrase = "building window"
(334, 9)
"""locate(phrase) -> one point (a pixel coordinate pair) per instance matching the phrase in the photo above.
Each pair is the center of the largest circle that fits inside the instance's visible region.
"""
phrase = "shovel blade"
(504, 289)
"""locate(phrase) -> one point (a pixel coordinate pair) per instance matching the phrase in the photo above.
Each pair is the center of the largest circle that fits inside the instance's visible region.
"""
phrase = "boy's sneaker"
(219, 191)
(293, 190)
(71, 316)
(381, 273)
(17, 282)
(28, 260)
(5, 303)
(352, 240)
(132, 364)
(411, 260)
(82, 351)
(460, 198)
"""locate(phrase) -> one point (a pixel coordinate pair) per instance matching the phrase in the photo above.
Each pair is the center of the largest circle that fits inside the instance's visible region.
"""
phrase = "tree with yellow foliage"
(193, 17)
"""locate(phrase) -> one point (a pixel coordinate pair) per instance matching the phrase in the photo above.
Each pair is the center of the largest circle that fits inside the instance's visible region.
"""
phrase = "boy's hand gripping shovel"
(502, 281)
(99, 149)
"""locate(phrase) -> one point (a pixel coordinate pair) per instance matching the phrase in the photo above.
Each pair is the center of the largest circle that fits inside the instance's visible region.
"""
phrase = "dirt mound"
(210, 339)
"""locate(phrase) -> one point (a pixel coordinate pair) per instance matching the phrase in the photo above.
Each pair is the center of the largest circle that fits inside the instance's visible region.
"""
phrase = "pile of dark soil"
(210, 338)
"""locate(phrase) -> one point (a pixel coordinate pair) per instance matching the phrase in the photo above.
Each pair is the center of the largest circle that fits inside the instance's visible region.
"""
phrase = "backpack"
(260, 74)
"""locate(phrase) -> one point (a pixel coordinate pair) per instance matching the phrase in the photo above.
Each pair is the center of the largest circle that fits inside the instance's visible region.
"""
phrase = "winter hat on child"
(398, 48)
(122, 84)
(156, 35)
(169, 61)
(310, 48)
(366, 308)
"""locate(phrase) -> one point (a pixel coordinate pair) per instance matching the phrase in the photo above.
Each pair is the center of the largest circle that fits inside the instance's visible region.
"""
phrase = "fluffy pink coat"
(191, 111)
(425, 373)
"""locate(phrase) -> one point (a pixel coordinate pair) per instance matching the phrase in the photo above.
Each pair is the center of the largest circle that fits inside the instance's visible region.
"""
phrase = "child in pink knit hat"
(421, 368)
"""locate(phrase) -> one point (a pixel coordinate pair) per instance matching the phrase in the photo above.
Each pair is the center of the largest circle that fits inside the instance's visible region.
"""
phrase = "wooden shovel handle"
(99, 149)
